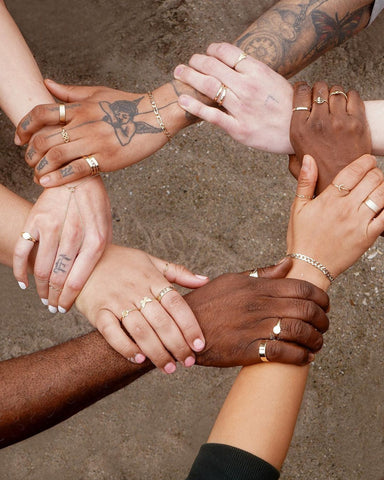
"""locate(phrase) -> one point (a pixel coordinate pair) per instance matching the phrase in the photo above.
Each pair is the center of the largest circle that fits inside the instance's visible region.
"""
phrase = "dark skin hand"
(234, 311)
(334, 133)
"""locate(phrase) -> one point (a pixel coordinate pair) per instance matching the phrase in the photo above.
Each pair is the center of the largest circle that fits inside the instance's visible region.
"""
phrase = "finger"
(69, 93)
(355, 105)
(73, 171)
(369, 210)
(23, 248)
(179, 274)
(183, 316)
(58, 156)
(337, 101)
(294, 166)
(296, 331)
(110, 328)
(283, 352)
(320, 101)
(209, 114)
(209, 65)
(353, 173)
(302, 98)
(274, 271)
(229, 54)
(44, 263)
(148, 342)
(306, 183)
(167, 331)
(370, 181)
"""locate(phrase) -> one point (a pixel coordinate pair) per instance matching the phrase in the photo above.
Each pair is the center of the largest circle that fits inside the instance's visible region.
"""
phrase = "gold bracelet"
(158, 117)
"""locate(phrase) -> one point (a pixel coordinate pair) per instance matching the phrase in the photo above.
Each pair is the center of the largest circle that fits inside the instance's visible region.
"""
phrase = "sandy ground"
(215, 206)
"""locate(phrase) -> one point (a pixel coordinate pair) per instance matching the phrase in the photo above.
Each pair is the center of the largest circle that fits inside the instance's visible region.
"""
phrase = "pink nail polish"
(178, 71)
(189, 361)
(139, 358)
(44, 180)
(170, 368)
(198, 344)
(201, 277)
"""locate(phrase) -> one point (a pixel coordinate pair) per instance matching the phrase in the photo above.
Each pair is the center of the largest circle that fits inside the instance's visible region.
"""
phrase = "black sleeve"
(222, 462)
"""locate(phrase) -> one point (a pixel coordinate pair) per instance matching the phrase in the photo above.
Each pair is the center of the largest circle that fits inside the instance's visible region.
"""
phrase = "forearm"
(21, 83)
(375, 116)
(293, 33)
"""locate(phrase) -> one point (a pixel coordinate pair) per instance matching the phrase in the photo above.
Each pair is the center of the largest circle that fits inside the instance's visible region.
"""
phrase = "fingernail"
(306, 163)
(201, 277)
(178, 71)
(189, 361)
(22, 285)
(184, 101)
(44, 301)
(17, 139)
(170, 367)
(62, 310)
(44, 180)
(52, 309)
(311, 357)
(198, 344)
(139, 358)
(49, 80)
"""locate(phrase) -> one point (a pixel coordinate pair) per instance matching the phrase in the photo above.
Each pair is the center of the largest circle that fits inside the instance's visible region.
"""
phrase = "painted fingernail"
(201, 277)
(52, 309)
(61, 309)
(189, 361)
(184, 101)
(17, 139)
(198, 344)
(140, 358)
(22, 285)
(44, 180)
(44, 301)
(178, 71)
(170, 367)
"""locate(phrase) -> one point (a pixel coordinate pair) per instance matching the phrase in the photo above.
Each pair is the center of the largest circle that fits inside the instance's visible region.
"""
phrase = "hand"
(336, 227)
(117, 128)
(258, 101)
(237, 312)
(163, 330)
(72, 229)
(334, 133)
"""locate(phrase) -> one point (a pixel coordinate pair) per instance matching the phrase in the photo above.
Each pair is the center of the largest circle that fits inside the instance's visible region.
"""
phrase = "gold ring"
(339, 92)
(341, 187)
(62, 114)
(28, 236)
(125, 313)
(254, 274)
(277, 328)
(242, 56)
(320, 100)
(220, 95)
(163, 292)
(144, 301)
(298, 195)
(263, 352)
(92, 162)
(301, 109)
(372, 205)
(65, 135)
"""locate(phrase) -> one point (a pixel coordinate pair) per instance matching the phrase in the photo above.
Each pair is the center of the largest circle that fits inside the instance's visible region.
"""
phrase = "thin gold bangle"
(158, 117)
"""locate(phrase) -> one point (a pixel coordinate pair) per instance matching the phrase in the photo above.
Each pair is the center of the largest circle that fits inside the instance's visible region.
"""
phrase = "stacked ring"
(92, 162)
(163, 292)
(220, 95)
(65, 135)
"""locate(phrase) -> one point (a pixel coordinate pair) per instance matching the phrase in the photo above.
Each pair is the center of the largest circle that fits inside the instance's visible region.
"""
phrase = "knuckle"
(39, 142)
(74, 284)
(41, 274)
(304, 290)
(56, 156)
(38, 112)
(299, 334)
(318, 342)
(174, 301)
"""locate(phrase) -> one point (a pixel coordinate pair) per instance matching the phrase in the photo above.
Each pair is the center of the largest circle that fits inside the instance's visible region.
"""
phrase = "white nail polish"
(22, 285)
(62, 310)
(44, 301)
(52, 309)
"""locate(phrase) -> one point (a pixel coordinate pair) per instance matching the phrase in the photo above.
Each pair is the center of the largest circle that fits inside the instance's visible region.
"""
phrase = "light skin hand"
(334, 133)
(163, 330)
(72, 229)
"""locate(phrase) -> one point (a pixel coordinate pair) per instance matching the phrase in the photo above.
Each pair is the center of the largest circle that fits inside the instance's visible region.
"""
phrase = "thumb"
(306, 183)
(179, 274)
(294, 166)
(276, 271)
(68, 93)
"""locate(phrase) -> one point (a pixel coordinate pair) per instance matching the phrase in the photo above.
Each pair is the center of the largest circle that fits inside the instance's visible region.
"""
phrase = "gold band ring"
(254, 274)
(301, 109)
(339, 92)
(298, 195)
(62, 114)
(28, 236)
(65, 135)
(144, 302)
(242, 56)
(341, 187)
(92, 162)
(263, 352)
(372, 205)
(163, 292)
(320, 100)
(125, 313)
(220, 95)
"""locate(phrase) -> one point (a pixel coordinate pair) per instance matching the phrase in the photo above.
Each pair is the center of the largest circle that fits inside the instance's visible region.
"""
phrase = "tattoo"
(121, 115)
(60, 266)
(66, 171)
(43, 163)
(27, 120)
(289, 36)
(31, 152)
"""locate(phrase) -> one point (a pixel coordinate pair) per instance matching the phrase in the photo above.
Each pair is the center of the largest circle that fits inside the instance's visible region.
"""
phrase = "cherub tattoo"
(121, 115)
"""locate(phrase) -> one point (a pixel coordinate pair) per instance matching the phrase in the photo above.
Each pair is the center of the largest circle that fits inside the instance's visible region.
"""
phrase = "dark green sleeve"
(223, 462)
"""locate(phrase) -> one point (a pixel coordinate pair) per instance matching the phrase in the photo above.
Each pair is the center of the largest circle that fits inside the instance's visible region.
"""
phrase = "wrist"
(304, 271)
